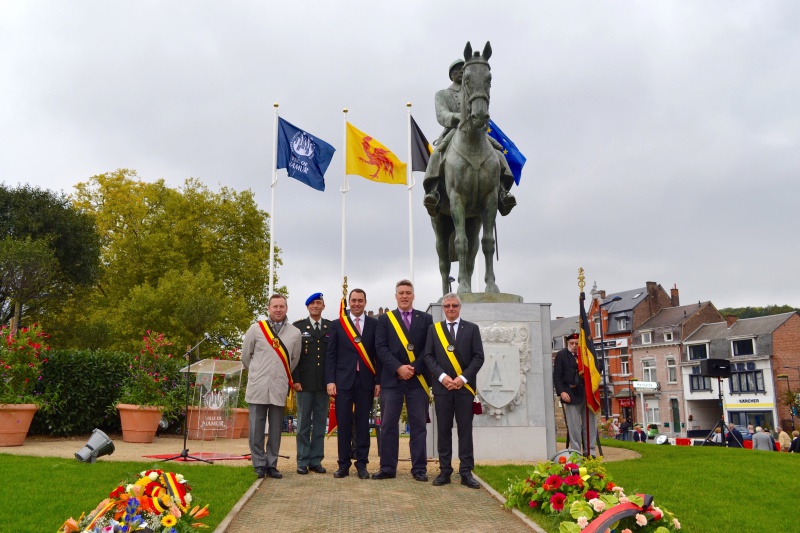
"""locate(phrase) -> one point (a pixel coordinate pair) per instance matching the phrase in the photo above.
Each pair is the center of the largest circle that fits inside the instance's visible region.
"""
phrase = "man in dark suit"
(570, 389)
(454, 354)
(352, 374)
(400, 340)
(310, 387)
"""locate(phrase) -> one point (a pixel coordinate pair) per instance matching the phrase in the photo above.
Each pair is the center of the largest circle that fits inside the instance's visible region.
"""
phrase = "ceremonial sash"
(279, 347)
(404, 341)
(355, 338)
(99, 515)
(450, 349)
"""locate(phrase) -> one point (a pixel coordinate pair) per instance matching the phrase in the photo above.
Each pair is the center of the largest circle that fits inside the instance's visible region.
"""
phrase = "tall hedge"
(77, 389)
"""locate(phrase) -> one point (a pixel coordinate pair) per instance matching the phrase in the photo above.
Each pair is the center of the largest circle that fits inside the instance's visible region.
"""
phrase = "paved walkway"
(317, 502)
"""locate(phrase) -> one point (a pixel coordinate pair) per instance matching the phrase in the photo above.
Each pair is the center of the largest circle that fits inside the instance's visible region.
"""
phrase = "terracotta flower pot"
(15, 420)
(139, 424)
(242, 418)
(209, 424)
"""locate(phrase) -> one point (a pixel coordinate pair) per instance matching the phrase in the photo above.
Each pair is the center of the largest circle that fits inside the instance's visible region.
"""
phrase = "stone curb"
(234, 512)
(519, 514)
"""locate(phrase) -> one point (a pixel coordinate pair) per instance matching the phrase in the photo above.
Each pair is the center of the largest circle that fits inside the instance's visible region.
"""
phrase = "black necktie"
(452, 330)
(316, 327)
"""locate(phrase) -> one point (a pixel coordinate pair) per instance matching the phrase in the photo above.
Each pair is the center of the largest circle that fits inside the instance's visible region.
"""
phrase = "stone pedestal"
(515, 384)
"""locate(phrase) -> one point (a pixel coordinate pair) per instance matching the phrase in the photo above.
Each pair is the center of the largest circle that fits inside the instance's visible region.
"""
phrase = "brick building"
(656, 351)
(618, 320)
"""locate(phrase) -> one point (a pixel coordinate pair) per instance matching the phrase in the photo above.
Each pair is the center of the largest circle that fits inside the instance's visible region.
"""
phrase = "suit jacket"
(392, 353)
(734, 438)
(639, 436)
(566, 377)
(341, 357)
(469, 354)
(310, 371)
(267, 382)
(795, 446)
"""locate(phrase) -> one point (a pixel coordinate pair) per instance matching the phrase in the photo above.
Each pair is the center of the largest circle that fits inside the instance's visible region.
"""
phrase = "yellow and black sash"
(355, 338)
(449, 347)
(401, 334)
(279, 347)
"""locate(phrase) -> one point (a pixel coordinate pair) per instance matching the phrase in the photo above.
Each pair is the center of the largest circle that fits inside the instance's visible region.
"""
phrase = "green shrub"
(77, 389)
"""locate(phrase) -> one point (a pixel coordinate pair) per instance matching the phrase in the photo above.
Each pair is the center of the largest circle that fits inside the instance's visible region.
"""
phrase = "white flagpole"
(345, 187)
(272, 206)
(410, 184)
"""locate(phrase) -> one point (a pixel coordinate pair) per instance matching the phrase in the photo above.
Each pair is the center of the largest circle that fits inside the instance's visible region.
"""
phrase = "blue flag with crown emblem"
(514, 157)
(305, 157)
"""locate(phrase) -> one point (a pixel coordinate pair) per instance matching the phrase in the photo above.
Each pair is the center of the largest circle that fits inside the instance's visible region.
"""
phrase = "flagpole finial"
(275, 105)
(581, 279)
(344, 288)
(408, 104)
(344, 110)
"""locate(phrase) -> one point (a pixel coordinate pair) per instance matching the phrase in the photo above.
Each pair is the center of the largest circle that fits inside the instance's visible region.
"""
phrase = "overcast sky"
(661, 137)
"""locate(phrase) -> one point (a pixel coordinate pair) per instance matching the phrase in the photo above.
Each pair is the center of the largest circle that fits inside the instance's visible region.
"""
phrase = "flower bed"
(578, 490)
(157, 501)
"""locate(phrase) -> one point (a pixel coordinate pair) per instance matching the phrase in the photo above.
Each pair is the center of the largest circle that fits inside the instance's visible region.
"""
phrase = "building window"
(743, 347)
(624, 366)
(623, 350)
(596, 327)
(747, 381)
(653, 415)
(699, 383)
(622, 323)
(697, 351)
(672, 370)
(649, 370)
(667, 336)
(647, 337)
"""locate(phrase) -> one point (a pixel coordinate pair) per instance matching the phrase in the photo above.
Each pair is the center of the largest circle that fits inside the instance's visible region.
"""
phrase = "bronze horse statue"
(471, 182)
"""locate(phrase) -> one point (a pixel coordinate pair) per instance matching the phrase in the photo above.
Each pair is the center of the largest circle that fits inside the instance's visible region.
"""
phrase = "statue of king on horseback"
(467, 179)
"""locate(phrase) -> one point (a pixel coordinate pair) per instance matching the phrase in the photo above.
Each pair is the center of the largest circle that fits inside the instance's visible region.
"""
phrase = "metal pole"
(605, 364)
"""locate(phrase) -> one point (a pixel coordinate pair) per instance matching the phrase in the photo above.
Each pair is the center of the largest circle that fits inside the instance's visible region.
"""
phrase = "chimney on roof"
(731, 320)
(674, 297)
(602, 295)
(651, 287)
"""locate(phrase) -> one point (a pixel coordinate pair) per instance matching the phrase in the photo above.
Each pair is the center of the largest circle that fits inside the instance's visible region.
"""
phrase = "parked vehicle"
(652, 431)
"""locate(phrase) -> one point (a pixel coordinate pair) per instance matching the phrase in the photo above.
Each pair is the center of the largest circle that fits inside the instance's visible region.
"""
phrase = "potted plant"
(150, 391)
(20, 370)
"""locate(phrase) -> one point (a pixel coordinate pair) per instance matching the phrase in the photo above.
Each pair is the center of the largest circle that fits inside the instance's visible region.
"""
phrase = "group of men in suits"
(401, 356)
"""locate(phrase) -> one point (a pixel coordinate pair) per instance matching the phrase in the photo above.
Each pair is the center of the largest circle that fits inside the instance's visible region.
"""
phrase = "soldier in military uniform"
(309, 384)
(448, 114)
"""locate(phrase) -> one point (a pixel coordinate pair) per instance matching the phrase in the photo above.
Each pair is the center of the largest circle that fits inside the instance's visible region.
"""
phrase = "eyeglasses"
(451, 306)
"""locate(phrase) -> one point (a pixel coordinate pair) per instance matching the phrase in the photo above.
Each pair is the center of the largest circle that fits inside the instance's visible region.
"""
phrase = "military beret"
(572, 336)
(315, 296)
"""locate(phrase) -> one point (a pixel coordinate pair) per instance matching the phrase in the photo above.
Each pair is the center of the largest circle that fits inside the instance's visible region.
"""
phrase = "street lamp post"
(630, 405)
(606, 405)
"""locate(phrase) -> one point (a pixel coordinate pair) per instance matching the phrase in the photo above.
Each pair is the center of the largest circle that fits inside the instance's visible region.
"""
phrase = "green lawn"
(709, 489)
(38, 494)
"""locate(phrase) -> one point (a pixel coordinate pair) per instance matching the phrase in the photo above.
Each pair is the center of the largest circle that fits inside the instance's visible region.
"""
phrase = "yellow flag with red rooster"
(366, 157)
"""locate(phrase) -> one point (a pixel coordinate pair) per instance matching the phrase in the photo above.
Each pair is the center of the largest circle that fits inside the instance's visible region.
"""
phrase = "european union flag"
(514, 157)
(305, 157)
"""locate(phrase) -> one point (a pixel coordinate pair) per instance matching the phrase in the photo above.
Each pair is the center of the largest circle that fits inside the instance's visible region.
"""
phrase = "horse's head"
(475, 87)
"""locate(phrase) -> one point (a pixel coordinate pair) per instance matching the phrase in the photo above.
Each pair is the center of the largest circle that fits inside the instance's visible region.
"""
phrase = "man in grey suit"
(399, 340)
(270, 351)
(448, 114)
(454, 354)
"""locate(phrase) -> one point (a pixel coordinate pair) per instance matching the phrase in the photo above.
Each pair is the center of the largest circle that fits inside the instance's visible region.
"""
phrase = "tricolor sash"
(449, 346)
(352, 334)
(279, 347)
(401, 334)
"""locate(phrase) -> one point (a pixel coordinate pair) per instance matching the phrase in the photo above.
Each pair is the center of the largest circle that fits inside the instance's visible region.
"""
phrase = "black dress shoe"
(273, 473)
(380, 474)
(470, 481)
(440, 480)
(342, 472)
(261, 472)
(421, 476)
(319, 469)
(303, 470)
(363, 474)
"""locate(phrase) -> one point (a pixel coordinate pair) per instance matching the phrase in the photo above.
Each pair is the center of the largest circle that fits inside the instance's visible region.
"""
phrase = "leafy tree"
(752, 312)
(48, 228)
(182, 261)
